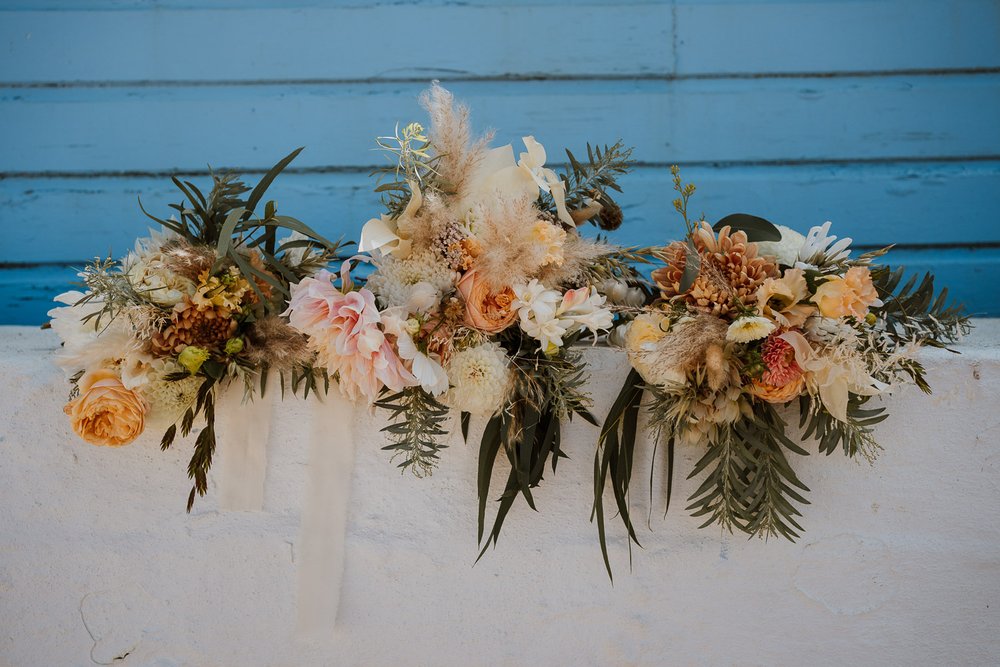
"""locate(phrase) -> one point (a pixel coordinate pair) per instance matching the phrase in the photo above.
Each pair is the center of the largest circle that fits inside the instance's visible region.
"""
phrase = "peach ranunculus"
(775, 394)
(106, 413)
(784, 299)
(486, 310)
(851, 294)
(345, 332)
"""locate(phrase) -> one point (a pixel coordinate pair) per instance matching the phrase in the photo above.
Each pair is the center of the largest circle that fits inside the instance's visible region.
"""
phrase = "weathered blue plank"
(839, 36)
(965, 272)
(877, 204)
(336, 43)
(25, 294)
(150, 129)
(94, 41)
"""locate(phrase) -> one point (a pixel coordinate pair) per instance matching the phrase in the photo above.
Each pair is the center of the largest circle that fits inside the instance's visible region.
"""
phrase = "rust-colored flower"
(486, 310)
(106, 413)
(730, 273)
(207, 327)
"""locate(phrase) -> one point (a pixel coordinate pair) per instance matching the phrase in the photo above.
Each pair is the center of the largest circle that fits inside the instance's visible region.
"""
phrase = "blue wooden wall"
(883, 116)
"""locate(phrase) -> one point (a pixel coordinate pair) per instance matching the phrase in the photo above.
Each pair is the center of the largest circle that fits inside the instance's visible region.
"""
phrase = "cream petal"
(834, 392)
(535, 157)
(558, 190)
(376, 233)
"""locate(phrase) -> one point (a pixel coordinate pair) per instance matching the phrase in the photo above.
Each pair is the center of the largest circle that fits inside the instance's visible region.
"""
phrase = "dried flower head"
(730, 271)
(271, 342)
(208, 327)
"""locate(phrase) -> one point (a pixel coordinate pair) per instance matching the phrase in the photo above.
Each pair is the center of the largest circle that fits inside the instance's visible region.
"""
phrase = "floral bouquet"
(752, 318)
(194, 308)
(480, 285)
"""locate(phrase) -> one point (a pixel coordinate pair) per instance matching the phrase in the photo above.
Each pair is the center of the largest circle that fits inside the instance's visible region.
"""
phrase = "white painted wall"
(900, 564)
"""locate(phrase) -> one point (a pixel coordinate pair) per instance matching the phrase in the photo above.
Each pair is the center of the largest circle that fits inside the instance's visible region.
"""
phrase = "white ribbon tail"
(325, 514)
(243, 431)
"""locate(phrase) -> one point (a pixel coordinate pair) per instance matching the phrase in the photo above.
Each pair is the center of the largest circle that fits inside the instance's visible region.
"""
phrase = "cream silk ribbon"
(324, 514)
(243, 433)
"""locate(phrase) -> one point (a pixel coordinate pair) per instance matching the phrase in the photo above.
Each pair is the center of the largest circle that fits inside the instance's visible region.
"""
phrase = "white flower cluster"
(547, 315)
(416, 282)
(478, 377)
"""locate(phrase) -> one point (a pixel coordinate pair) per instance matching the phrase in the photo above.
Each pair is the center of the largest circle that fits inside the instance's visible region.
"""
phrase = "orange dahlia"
(730, 271)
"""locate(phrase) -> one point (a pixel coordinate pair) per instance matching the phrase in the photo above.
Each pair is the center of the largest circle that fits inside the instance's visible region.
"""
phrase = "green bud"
(871, 319)
(234, 346)
(192, 357)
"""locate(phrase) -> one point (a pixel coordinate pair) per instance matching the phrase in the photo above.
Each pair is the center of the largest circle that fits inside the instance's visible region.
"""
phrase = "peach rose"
(486, 310)
(106, 413)
(851, 294)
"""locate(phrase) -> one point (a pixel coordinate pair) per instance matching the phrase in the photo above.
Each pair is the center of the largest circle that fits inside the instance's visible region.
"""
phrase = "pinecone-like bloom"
(730, 271)
(208, 327)
(610, 217)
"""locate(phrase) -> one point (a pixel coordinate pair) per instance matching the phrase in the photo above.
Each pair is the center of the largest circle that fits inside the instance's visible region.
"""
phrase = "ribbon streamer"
(243, 435)
(324, 514)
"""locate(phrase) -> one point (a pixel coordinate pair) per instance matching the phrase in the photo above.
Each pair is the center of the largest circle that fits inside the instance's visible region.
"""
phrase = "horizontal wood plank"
(74, 219)
(26, 293)
(152, 129)
(354, 43)
(180, 39)
(841, 36)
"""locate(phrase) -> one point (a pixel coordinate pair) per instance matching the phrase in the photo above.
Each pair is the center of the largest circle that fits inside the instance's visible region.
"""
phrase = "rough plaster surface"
(900, 564)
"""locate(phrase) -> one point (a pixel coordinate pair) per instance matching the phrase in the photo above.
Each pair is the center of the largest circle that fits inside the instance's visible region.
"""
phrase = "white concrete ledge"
(900, 564)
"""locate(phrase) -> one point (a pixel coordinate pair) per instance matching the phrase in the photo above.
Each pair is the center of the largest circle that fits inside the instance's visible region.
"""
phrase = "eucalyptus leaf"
(757, 229)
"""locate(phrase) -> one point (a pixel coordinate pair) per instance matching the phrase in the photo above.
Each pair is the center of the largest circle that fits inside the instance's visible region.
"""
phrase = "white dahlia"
(419, 279)
(478, 377)
(168, 399)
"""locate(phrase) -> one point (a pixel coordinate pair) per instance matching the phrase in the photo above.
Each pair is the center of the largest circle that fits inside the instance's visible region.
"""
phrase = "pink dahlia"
(344, 331)
(779, 357)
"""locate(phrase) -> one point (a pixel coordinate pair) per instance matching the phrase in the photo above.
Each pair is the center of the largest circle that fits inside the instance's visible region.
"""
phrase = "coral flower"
(779, 357)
